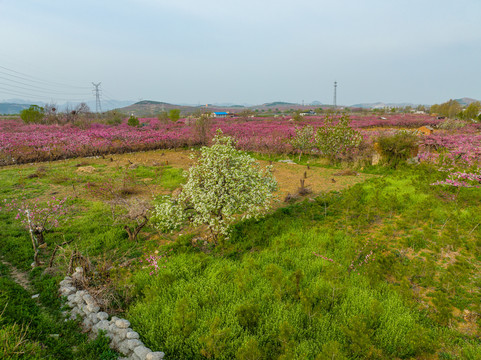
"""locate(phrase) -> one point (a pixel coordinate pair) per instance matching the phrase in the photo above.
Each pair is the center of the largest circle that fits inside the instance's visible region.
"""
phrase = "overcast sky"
(249, 51)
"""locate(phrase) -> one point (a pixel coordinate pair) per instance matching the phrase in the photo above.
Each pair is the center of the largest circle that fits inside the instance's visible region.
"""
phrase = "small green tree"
(174, 114)
(472, 111)
(222, 186)
(133, 121)
(34, 114)
(336, 137)
(296, 116)
(449, 109)
(303, 140)
(202, 127)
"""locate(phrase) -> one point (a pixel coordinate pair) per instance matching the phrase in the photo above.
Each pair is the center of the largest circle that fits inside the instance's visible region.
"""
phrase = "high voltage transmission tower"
(97, 97)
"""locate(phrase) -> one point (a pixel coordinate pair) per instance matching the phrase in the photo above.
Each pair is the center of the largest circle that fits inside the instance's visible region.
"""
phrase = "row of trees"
(334, 140)
(172, 115)
(453, 109)
(49, 114)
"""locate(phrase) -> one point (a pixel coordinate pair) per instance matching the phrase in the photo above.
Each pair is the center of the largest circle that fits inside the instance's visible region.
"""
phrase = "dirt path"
(18, 276)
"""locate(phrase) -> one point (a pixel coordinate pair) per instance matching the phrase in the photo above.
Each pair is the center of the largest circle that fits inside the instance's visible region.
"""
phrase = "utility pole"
(335, 94)
(97, 98)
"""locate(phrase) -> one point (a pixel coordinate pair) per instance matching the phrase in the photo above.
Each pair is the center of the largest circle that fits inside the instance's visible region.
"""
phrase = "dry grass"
(317, 179)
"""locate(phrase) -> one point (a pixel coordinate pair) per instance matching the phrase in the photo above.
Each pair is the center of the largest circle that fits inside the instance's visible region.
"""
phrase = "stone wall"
(122, 337)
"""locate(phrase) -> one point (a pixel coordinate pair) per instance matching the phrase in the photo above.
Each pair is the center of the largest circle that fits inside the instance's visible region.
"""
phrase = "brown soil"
(288, 176)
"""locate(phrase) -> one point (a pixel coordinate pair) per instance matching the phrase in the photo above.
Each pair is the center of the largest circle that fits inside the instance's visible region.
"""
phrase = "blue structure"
(220, 114)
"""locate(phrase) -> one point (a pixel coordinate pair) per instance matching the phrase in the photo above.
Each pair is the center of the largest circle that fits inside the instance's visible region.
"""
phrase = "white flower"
(224, 184)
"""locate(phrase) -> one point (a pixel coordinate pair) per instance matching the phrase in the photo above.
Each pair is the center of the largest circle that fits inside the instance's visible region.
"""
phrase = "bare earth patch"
(288, 176)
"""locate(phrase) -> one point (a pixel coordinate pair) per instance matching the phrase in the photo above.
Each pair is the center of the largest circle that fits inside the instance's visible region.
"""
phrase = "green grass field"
(385, 269)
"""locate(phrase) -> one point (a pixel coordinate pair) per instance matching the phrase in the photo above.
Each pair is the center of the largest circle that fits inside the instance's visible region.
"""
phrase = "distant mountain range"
(12, 108)
(379, 105)
(466, 101)
(146, 108)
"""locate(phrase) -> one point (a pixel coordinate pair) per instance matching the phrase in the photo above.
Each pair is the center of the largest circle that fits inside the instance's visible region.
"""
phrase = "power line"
(109, 100)
(17, 93)
(43, 98)
(33, 87)
(16, 83)
(21, 91)
(39, 80)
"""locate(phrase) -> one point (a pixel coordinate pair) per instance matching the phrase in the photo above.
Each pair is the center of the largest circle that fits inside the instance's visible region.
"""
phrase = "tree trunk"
(133, 233)
(39, 236)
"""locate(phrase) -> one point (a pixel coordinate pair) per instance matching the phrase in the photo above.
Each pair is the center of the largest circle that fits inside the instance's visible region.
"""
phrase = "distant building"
(308, 113)
(220, 114)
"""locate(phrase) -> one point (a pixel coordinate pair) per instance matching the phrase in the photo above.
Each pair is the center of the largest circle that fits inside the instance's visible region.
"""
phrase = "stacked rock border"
(122, 337)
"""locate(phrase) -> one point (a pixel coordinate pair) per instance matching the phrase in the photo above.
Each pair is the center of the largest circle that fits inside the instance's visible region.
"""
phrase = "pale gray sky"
(248, 51)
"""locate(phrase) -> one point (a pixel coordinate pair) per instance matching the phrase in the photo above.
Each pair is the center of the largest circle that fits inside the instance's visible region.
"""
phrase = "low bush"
(112, 118)
(451, 124)
(398, 147)
(34, 114)
(133, 121)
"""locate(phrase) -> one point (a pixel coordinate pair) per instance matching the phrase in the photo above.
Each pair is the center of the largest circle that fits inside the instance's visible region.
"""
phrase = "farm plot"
(358, 264)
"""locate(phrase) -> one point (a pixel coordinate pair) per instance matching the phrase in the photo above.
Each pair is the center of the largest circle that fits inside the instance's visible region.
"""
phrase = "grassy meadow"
(380, 265)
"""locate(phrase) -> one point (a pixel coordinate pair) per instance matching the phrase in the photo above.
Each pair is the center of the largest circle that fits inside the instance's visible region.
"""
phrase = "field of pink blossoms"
(21, 143)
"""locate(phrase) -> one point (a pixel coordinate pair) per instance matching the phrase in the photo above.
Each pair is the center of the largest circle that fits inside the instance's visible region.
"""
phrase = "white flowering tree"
(224, 185)
(336, 137)
(302, 141)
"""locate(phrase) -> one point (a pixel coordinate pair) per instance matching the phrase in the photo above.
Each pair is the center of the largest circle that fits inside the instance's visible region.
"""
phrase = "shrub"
(398, 147)
(336, 138)
(133, 121)
(223, 184)
(451, 124)
(34, 114)
(174, 114)
(113, 117)
(297, 116)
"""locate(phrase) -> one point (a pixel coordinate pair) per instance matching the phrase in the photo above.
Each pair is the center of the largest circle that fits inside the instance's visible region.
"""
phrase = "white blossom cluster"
(333, 138)
(224, 185)
(302, 141)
